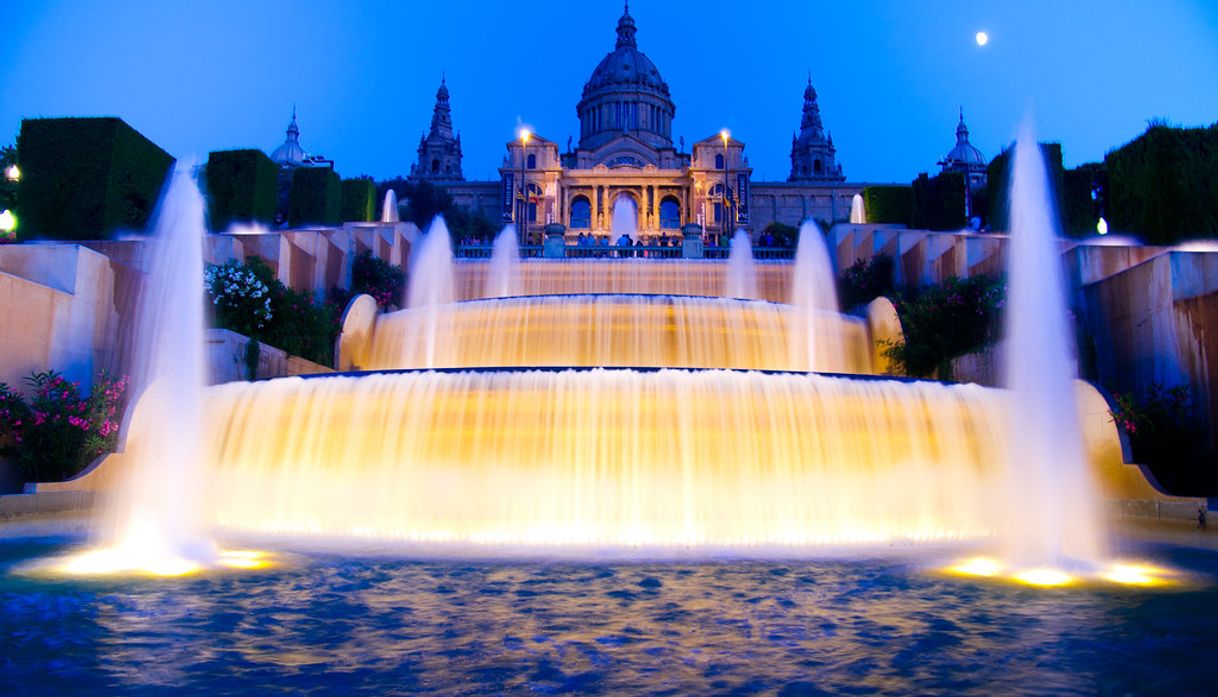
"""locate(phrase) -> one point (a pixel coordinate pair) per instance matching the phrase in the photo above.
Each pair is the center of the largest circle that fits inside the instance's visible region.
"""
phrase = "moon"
(982, 38)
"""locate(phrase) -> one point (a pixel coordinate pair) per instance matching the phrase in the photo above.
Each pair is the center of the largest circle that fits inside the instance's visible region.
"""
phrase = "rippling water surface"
(326, 623)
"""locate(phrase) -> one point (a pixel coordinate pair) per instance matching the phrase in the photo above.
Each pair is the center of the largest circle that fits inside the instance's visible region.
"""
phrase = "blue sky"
(201, 76)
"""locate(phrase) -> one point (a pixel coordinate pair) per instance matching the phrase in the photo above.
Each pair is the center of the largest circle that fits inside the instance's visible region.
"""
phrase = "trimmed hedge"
(316, 197)
(1163, 185)
(241, 188)
(1079, 213)
(938, 202)
(888, 204)
(85, 178)
(359, 200)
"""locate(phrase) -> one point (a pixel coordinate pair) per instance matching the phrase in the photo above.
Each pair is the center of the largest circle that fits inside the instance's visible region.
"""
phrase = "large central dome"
(625, 95)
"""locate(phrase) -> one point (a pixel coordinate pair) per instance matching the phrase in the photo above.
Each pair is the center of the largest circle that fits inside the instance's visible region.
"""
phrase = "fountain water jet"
(153, 522)
(503, 276)
(814, 291)
(1055, 520)
(858, 214)
(741, 280)
(389, 209)
(625, 218)
(432, 282)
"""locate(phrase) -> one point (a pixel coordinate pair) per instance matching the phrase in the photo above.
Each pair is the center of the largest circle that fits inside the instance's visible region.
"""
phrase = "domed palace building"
(626, 153)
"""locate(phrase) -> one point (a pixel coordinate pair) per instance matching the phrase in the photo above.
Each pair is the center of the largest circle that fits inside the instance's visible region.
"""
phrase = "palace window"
(670, 213)
(719, 161)
(581, 213)
(435, 166)
(531, 162)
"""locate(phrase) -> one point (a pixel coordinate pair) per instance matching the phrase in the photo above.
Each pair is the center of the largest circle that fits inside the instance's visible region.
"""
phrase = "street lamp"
(12, 173)
(525, 134)
(725, 135)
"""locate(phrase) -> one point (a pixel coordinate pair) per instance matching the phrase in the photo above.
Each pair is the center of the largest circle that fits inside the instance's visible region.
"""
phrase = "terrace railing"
(571, 251)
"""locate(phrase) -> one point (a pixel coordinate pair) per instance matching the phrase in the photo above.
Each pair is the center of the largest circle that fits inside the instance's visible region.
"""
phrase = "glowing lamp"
(725, 134)
(525, 134)
(12, 173)
(8, 221)
(1102, 227)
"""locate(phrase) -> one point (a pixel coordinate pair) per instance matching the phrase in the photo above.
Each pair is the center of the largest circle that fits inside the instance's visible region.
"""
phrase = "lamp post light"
(725, 135)
(525, 134)
(12, 173)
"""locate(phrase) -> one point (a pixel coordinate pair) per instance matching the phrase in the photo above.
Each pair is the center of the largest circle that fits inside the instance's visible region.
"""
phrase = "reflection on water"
(393, 626)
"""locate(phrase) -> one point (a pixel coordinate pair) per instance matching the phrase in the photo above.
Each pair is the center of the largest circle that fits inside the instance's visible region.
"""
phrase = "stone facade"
(626, 152)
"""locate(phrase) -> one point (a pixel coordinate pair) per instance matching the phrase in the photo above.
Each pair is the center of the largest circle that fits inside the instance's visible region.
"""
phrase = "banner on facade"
(742, 191)
(509, 189)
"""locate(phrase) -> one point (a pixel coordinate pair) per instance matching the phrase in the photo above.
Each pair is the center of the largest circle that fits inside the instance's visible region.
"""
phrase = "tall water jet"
(814, 291)
(432, 282)
(625, 218)
(153, 521)
(741, 279)
(1054, 517)
(389, 210)
(503, 276)
(858, 214)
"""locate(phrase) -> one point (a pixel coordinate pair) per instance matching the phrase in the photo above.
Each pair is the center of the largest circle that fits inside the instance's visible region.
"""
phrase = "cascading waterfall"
(503, 276)
(1054, 521)
(153, 521)
(624, 331)
(706, 278)
(741, 280)
(614, 457)
(431, 286)
(814, 291)
(389, 209)
(625, 218)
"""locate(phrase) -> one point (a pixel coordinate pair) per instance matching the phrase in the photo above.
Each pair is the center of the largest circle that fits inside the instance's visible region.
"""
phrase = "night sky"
(202, 76)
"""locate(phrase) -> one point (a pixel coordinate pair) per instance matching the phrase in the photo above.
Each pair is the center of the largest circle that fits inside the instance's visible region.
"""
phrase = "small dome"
(290, 154)
(966, 153)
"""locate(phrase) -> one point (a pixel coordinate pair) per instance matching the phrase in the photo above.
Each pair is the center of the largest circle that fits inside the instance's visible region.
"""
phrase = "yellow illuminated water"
(645, 276)
(608, 457)
(620, 330)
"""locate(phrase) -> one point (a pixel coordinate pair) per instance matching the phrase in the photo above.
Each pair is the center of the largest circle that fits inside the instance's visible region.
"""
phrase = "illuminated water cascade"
(389, 210)
(624, 331)
(625, 218)
(741, 275)
(431, 287)
(153, 522)
(1054, 514)
(614, 457)
(503, 276)
(706, 278)
(814, 291)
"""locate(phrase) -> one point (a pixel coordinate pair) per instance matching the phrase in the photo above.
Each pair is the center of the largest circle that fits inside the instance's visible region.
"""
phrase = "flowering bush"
(56, 430)
(378, 278)
(242, 300)
(1165, 434)
(865, 280)
(250, 300)
(945, 321)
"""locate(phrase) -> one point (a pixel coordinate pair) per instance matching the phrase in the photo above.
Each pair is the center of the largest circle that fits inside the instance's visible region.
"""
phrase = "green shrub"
(85, 178)
(938, 202)
(1164, 434)
(284, 318)
(378, 278)
(945, 321)
(56, 431)
(359, 200)
(888, 204)
(241, 188)
(865, 280)
(1163, 185)
(781, 234)
(315, 198)
(999, 181)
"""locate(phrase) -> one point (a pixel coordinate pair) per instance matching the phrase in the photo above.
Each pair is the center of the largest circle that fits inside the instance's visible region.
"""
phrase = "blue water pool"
(325, 623)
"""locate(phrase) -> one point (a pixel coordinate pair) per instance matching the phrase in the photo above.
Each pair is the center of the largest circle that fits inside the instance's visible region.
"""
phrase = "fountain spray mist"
(814, 293)
(1054, 520)
(432, 281)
